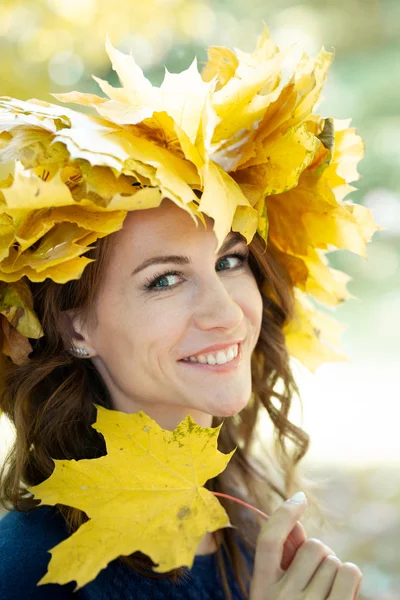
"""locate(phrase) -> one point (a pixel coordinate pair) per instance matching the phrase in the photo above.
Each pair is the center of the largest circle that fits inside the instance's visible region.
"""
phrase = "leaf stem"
(252, 508)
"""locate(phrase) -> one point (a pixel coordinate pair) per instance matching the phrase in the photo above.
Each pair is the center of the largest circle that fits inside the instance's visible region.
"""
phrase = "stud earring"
(79, 351)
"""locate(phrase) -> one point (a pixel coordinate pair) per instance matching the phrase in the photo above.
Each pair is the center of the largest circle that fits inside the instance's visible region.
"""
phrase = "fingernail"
(299, 498)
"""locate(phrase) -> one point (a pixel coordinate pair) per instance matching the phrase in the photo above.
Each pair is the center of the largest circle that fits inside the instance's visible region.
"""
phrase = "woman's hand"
(313, 573)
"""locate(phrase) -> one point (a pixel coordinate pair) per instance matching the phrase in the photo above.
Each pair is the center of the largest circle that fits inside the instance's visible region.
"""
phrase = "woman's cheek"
(253, 308)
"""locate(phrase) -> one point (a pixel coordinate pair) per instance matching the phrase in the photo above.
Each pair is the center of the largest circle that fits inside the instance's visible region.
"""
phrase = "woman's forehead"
(167, 223)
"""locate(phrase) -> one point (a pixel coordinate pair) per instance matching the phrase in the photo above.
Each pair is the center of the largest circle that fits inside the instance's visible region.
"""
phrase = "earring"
(79, 351)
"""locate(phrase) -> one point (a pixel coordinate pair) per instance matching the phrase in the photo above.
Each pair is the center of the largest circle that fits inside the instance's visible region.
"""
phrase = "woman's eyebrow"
(232, 239)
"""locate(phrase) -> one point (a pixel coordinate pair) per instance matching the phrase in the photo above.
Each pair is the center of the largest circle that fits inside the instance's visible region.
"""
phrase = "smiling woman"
(136, 339)
(156, 259)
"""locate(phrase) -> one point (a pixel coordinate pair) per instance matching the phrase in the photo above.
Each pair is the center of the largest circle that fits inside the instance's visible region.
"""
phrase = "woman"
(167, 316)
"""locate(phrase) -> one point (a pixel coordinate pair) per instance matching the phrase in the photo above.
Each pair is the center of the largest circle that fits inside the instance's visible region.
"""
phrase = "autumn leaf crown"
(242, 133)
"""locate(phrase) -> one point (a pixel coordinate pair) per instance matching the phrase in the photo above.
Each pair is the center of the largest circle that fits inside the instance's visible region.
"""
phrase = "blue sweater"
(25, 539)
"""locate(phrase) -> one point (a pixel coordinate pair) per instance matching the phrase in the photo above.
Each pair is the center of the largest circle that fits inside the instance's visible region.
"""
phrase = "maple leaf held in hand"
(143, 495)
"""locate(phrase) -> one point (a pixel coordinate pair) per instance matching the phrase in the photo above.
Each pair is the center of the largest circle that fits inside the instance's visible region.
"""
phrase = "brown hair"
(50, 401)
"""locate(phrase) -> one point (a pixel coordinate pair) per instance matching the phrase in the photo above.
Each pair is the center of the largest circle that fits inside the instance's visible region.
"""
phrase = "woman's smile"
(225, 367)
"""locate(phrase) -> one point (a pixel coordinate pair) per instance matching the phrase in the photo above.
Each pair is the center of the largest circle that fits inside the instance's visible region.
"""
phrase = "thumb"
(271, 541)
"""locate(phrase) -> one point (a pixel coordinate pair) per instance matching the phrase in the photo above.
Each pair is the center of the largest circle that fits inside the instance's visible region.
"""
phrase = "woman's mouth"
(227, 359)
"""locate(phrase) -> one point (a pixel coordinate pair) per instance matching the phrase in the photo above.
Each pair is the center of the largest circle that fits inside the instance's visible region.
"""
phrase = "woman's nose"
(216, 307)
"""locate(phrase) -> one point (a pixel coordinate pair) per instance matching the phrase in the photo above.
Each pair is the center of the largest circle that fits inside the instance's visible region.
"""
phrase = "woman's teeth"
(217, 358)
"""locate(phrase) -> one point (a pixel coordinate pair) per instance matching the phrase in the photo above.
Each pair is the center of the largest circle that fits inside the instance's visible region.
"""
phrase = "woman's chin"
(229, 408)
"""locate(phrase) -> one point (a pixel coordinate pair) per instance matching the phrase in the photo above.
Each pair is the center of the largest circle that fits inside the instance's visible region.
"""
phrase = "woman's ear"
(75, 332)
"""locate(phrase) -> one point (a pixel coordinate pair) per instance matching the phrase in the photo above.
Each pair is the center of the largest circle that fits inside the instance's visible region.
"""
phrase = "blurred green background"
(351, 410)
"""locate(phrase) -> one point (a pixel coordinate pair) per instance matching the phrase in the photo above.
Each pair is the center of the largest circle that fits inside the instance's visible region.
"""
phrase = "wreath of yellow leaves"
(242, 133)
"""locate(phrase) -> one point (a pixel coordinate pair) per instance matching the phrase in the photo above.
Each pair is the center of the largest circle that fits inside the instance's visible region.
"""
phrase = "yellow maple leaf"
(18, 321)
(312, 275)
(280, 162)
(310, 215)
(16, 304)
(348, 151)
(145, 495)
(28, 190)
(13, 344)
(239, 105)
(313, 337)
(232, 207)
(181, 95)
(48, 117)
(222, 63)
(310, 76)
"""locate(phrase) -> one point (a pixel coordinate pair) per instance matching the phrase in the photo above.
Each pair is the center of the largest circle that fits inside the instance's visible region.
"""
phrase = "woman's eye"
(240, 258)
(160, 282)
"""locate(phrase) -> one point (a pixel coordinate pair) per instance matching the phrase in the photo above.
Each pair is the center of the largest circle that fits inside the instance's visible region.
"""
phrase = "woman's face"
(148, 321)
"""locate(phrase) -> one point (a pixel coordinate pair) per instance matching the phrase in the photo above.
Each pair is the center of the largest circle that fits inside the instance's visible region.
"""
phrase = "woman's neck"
(208, 545)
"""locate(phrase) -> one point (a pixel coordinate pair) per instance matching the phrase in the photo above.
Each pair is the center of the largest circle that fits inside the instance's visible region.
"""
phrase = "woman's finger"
(322, 582)
(299, 536)
(347, 582)
(309, 558)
